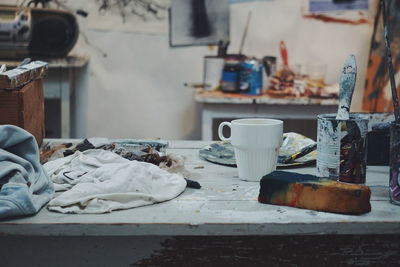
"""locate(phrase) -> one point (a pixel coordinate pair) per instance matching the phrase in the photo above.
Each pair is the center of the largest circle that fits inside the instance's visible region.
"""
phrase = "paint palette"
(222, 152)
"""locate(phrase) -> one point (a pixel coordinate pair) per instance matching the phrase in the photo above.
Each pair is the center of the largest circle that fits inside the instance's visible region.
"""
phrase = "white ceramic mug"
(256, 143)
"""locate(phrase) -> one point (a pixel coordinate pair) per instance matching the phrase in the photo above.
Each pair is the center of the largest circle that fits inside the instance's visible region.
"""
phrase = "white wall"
(137, 90)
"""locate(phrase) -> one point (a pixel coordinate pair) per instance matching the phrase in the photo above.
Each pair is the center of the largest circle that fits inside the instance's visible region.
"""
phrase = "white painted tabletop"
(219, 97)
(224, 205)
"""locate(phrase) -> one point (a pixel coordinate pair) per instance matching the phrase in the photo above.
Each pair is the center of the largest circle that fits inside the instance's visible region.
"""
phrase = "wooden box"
(24, 108)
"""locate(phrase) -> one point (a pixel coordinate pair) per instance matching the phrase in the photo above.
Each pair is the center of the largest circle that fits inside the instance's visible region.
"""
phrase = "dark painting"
(198, 22)
(321, 6)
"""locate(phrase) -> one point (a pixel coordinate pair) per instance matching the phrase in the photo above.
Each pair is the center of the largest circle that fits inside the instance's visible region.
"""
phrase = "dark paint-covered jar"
(394, 179)
(230, 82)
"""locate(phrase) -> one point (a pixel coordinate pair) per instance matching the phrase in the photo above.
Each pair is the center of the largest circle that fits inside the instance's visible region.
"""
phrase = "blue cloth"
(24, 185)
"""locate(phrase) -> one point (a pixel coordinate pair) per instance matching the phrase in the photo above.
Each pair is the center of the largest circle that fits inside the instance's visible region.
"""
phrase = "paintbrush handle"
(284, 53)
(347, 84)
(304, 151)
(246, 28)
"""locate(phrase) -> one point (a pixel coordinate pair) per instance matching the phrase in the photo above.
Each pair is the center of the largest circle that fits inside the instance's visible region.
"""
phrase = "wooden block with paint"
(310, 192)
(24, 108)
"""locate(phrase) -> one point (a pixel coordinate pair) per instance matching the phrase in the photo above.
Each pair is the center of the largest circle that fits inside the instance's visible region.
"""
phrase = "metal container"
(341, 148)
(231, 74)
(251, 77)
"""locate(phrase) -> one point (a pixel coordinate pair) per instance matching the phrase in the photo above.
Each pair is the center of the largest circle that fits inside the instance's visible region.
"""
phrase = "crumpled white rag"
(99, 181)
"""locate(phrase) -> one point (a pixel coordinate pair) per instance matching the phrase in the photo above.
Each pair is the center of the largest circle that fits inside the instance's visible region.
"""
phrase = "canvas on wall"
(377, 92)
(198, 22)
(337, 5)
(246, 1)
(144, 16)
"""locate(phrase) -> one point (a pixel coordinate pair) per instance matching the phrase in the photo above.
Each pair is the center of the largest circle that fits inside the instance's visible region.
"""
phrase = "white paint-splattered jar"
(341, 148)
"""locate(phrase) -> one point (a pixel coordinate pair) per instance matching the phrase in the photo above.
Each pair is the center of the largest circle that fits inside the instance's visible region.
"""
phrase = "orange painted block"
(310, 192)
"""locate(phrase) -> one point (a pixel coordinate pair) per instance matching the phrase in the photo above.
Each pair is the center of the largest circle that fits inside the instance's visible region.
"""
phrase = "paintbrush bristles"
(390, 64)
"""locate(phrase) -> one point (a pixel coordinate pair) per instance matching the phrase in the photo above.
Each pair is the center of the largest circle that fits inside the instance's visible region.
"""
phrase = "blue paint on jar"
(251, 77)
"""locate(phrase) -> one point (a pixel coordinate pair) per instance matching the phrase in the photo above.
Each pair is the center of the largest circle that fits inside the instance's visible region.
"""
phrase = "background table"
(221, 223)
(216, 105)
(59, 84)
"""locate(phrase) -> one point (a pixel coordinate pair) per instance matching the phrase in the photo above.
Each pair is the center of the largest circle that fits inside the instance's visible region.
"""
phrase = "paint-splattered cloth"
(24, 185)
(99, 181)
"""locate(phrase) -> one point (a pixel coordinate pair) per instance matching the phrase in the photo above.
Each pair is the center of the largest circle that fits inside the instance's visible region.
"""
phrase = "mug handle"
(220, 133)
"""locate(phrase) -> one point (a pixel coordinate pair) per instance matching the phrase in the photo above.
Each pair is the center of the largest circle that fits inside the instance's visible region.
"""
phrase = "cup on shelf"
(213, 66)
(256, 144)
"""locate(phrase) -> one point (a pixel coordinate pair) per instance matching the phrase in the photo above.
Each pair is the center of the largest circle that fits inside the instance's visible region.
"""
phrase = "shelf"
(70, 61)
(203, 96)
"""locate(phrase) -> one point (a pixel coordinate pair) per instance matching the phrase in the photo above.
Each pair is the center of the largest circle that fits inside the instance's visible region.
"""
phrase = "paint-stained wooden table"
(221, 223)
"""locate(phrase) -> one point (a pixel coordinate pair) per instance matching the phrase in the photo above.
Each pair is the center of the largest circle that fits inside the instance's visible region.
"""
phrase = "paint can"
(394, 179)
(341, 148)
(251, 77)
(231, 74)
(213, 67)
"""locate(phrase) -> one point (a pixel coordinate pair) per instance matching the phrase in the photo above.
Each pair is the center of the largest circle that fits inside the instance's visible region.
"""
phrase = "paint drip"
(341, 146)
(394, 182)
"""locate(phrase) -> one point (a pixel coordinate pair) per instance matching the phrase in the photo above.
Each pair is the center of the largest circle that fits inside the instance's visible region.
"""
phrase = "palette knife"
(346, 87)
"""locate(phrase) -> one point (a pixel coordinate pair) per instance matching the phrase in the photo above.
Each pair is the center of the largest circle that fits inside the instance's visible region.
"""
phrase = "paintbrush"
(192, 184)
(245, 33)
(304, 151)
(346, 87)
(26, 60)
(390, 64)
(223, 47)
(286, 71)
